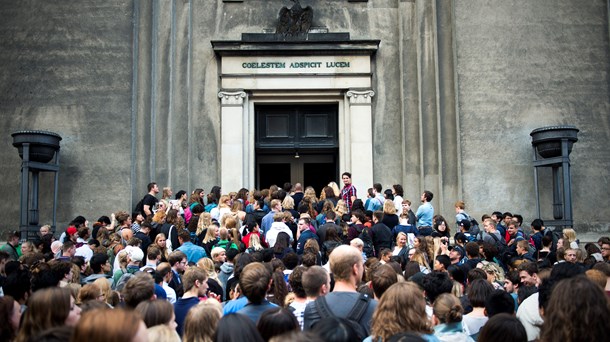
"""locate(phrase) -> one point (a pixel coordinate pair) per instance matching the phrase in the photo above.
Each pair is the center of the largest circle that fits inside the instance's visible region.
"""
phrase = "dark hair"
(150, 186)
(525, 291)
(530, 267)
(436, 283)
(346, 174)
(398, 189)
(290, 260)
(429, 195)
(561, 271)
(276, 321)
(499, 301)
(513, 276)
(295, 280)
(472, 249)
(478, 291)
(17, 283)
(503, 328)
(537, 224)
(383, 277)
(97, 261)
(457, 273)
(236, 327)
(388, 194)
(377, 187)
(335, 329)
(179, 194)
(104, 219)
(281, 242)
(7, 332)
(444, 260)
(358, 204)
(476, 273)
(155, 312)
(519, 218)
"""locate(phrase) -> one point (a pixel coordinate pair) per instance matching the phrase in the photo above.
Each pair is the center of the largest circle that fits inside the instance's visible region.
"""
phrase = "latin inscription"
(295, 65)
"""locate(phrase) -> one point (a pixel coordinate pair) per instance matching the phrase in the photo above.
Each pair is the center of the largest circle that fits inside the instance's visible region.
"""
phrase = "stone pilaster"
(232, 153)
(359, 133)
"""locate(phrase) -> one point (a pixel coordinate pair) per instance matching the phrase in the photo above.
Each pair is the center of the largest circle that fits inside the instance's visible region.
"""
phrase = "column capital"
(232, 98)
(360, 96)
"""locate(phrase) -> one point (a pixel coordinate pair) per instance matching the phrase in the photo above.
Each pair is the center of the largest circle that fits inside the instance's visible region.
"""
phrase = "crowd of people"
(284, 264)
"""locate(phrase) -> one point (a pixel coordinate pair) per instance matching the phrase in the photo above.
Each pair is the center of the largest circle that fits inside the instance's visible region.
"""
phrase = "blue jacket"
(192, 251)
(306, 235)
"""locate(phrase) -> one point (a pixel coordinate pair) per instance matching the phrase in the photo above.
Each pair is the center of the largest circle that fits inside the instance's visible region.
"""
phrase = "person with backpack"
(347, 268)
(461, 215)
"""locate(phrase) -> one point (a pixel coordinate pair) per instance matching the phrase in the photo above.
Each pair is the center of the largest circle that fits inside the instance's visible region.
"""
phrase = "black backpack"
(353, 317)
(503, 251)
(368, 248)
(139, 207)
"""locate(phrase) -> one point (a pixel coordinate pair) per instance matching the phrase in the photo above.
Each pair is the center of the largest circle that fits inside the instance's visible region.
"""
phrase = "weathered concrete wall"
(65, 66)
(523, 65)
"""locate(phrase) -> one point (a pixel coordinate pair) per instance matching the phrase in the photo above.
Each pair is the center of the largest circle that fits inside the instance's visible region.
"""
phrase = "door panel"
(296, 143)
(309, 170)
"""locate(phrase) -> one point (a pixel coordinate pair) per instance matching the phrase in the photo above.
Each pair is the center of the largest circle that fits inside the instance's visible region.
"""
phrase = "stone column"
(232, 154)
(360, 139)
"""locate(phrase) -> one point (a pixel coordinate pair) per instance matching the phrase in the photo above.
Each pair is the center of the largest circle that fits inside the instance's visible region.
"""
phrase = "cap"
(71, 230)
(136, 254)
(459, 249)
(465, 223)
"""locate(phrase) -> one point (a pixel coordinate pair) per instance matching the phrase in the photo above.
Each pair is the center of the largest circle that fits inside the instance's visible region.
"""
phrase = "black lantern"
(552, 147)
(39, 151)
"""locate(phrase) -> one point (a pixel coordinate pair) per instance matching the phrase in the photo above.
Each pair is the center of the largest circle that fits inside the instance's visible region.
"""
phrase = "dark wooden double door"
(297, 144)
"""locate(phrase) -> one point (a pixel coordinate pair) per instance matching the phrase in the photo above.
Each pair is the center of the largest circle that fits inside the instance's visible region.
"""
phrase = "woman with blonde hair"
(211, 237)
(569, 238)
(237, 209)
(341, 208)
(48, 308)
(254, 244)
(390, 218)
(310, 193)
(419, 257)
(401, 308)
(210, 312)
(161, 242)
(288, 205)
(28, 247)
(401, 248)
(207, 265)
(336, 189)
(224, 207)
(104, 286)
(205, 219)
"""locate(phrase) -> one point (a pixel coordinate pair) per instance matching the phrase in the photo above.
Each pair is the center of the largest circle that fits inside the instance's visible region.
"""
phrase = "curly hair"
(400, 308)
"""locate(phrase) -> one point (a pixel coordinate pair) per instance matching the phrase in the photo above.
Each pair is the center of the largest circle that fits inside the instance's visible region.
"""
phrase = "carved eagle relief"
(294, 21)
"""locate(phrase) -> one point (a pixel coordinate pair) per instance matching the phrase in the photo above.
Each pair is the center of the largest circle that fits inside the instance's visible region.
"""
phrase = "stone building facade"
(431, 94)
